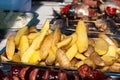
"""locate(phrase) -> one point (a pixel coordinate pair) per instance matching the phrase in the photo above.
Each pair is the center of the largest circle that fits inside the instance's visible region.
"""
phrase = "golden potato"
(62, 59)
(45, 46)
(10, 47)
(20, 32)
(96, 59)
(82, 39)
(101, 46)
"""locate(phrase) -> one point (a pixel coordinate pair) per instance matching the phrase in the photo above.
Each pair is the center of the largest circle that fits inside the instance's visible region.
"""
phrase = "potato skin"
(62, 59)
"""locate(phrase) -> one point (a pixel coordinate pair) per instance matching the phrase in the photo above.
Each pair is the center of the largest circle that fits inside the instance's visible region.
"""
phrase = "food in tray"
(96, 21)
(52, 48)
(84, 72)
(12, 19)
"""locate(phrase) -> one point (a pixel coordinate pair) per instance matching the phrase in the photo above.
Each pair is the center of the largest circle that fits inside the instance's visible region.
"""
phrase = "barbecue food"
(91, 74)
(31, 73)
(66, 51)
(96, 20)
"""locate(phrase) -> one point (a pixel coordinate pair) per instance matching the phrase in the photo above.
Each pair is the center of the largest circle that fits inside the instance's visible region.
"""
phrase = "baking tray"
(15, 19)
(114, 75)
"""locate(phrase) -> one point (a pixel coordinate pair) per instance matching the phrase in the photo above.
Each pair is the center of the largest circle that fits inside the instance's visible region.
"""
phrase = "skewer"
(102, 1)
(89, 32)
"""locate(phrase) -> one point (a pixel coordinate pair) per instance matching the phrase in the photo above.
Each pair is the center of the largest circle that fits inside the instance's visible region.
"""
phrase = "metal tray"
(114, 75)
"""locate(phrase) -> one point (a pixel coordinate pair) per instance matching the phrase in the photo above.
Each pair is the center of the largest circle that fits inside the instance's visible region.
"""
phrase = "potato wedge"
(106, 38)
(64, 42)
(46, 46)
(20, 32)
(71, 52)
(112, 51)
(32, 36)
(35, 58)
(80, 56)
(10, 47)
(73, 62)
(115, 67)
(16, 57)
(89, 51)
(4, 58)
(62, 59)
(108, 60)
(73, 41)
(24, 44)
(50, 58)
(36, 43)
(96, 59)
(56, 39)
(90, 63)
(78, 64)
(101, 46)
(82, 39)
(91, 41)
(104, 68)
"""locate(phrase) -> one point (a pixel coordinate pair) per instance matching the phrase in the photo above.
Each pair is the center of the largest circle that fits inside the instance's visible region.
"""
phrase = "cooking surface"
(45, 10)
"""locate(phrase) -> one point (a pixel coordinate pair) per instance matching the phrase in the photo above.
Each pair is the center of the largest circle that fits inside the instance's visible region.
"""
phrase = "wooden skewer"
(102, 1)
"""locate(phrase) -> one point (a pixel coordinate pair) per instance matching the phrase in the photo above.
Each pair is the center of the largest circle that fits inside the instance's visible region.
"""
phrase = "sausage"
(62, 76)
(33, 74)
(15, 70)
(23, 72)
(27, 74)
(91, 74)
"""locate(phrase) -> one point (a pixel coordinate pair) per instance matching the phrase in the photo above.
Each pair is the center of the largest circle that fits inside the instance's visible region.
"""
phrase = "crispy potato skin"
(10, 47)
(62, 59)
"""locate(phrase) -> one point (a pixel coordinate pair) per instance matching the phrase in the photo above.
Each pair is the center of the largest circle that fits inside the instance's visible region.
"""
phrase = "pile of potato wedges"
(46, 47)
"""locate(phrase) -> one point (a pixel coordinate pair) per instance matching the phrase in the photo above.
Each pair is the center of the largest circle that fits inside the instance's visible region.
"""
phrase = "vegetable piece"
(71, 52)
(91, 41)
(32, 36)
(56, 39)
(16, 57)
(106, 38)
(45, 46)
(10, 47)
(89, 51)
(82, 39)
(73, 41)
(109, 60)
(80, 56)
(78, 64)
(50, 58)
(62, 59)
(64, 42)
(35, 58)
(36, 43)
(115, 67)
(20, 32)
(89, 63)
(112, 51)
(24, 44)
(96, 59)
(101, 46)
